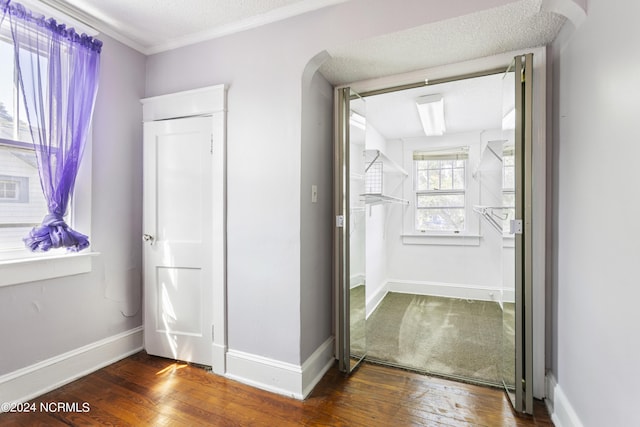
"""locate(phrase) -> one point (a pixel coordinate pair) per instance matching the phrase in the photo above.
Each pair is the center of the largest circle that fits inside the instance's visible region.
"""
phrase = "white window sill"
(43, 267)
(441, 239)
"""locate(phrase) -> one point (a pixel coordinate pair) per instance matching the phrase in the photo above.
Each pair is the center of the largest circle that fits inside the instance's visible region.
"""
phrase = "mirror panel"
(357, 230)
(508, 248)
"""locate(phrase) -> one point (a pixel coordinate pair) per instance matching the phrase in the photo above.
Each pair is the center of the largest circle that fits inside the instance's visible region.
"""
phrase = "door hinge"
(211, 148)
(515, 226)
(212, 333)
(339, 221)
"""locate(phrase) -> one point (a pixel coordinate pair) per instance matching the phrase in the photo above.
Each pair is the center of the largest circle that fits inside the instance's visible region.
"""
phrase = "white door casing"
(184, 226)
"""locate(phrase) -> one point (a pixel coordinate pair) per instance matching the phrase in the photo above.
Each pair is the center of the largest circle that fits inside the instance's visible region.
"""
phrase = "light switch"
(314, 194)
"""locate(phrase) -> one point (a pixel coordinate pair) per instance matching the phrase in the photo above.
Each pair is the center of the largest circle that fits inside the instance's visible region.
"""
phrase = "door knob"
(148, 238)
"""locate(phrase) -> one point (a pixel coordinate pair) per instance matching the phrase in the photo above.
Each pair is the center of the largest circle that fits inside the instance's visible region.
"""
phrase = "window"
(8, 190)
(22, 205)
(440, 187)
(14, 189)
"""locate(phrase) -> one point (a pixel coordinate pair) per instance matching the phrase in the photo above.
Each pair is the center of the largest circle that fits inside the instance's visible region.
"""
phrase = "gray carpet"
(444, 336)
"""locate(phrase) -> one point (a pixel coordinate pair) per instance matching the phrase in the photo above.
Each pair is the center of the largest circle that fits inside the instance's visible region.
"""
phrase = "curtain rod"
(69, 15)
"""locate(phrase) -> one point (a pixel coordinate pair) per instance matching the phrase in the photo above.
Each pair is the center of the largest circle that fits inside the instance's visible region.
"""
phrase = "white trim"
(43, 7)
(94, 19)
(274, 15)
(264, 373)
(442, 239)
(314, 368)
(508, 295)
(356, 280)
(98, 22)
(34, 268)
(219, 238)
(219, 353)
(42, 377)
(279, 377)
(550, 384)
(449, 290)
(196, 102)
(206, 101)
(561, 410)
(374, 301)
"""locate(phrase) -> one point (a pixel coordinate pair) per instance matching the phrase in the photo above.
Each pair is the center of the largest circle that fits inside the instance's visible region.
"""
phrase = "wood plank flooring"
(143, 390)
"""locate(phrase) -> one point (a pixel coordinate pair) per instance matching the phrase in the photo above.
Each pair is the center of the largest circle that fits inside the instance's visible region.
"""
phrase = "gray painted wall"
(47, 318)
(263, 68)
(596, 292)
(316, 226)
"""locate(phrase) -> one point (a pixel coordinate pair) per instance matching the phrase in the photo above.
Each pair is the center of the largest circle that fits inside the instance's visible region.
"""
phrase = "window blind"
(457, 153)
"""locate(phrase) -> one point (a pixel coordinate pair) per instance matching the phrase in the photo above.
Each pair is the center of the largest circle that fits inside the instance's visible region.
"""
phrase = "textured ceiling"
(152, 26)
(470, 105)
(517, 25)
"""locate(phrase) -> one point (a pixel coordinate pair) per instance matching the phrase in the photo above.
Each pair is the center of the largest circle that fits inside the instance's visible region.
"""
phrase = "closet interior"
(430, 228)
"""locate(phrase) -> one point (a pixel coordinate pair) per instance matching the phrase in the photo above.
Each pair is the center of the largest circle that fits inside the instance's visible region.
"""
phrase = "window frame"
(21, 265)
(470, 236)
(418, 193)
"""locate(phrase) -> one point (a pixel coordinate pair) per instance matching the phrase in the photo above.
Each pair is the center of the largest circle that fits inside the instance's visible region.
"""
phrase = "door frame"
(209, 101)
(541, 179)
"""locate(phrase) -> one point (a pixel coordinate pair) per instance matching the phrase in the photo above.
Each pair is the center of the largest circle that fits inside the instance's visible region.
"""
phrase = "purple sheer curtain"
(58, 74)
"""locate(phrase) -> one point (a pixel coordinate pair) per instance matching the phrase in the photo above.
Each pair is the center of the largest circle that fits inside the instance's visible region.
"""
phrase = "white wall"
(475, 266)
(357, 214)
(48, 318)
(595, 314)
(375, 217)
(263, 68)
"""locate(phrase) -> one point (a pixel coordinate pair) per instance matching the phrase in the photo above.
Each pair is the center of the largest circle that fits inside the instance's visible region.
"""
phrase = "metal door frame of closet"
(534, 210)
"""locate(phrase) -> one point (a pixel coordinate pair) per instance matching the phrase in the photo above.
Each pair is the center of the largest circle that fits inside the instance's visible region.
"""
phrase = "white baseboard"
(219, 359)
(376, 299)
(449, 290)
(562, 413)
(280, 377)
(509, 295)
(549, 388)
(356, 280)
(42, 377)
(314, 368)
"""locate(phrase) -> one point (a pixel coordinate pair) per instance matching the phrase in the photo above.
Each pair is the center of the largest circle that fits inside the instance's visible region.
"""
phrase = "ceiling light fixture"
(431, 110)
(509, 120)
(358, 120)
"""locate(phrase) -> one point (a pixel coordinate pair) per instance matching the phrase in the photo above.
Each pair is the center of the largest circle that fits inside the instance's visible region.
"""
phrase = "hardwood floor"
(144, 390)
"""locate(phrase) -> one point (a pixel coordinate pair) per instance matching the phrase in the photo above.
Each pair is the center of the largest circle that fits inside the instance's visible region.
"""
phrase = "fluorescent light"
(509, 120)
(431, 110)
(358, 120)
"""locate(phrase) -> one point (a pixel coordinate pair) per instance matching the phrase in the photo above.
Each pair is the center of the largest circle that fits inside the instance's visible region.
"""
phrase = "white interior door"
(178, 250)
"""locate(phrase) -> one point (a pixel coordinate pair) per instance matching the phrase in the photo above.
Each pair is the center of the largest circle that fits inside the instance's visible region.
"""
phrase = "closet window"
(440, 186)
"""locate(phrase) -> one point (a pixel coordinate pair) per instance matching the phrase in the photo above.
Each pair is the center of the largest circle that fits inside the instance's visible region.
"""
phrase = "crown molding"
(86, 20)
(249, 23)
